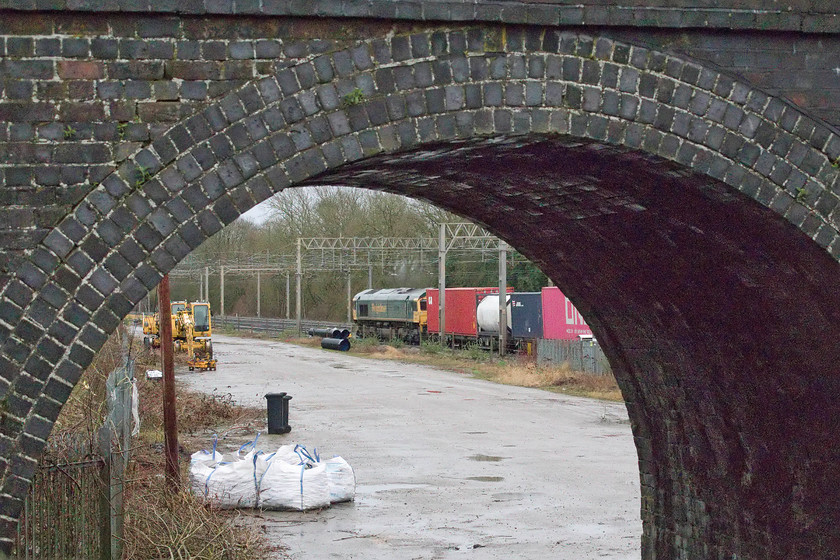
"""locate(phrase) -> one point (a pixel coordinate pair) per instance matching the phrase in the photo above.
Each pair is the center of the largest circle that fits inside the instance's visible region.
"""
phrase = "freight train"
(472, 315)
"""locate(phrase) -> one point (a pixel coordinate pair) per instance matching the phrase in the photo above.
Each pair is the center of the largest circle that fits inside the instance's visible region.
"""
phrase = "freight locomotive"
(391, 313)
(472, 315)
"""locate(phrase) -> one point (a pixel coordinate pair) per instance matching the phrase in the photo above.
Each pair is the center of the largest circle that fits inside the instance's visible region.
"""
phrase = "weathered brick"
(80, 70)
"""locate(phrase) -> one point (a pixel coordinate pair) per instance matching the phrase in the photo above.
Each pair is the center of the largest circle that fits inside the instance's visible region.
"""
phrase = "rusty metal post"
(105, 537)
(170, 422)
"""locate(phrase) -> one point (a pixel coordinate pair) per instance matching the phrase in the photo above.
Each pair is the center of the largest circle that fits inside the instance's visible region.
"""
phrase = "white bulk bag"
(287, 454)
(233, 484)
(341, 480)
(201, 465)
(293, 487)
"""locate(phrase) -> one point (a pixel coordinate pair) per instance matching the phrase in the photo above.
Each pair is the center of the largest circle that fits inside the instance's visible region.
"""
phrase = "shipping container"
(526, 316)
(460, 306)
(561, 320)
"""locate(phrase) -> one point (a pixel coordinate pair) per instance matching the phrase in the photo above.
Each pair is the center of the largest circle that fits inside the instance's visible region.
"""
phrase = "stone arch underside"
(690, 217)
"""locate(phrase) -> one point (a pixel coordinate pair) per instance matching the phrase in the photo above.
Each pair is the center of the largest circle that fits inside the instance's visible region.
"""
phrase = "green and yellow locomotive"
(391, 313)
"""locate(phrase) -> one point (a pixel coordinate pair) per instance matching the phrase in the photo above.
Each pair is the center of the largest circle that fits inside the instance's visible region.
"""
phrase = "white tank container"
(487, 314)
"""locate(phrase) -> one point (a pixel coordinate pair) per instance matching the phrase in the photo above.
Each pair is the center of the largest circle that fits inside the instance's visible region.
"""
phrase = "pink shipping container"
(561, 321)
(460, 309)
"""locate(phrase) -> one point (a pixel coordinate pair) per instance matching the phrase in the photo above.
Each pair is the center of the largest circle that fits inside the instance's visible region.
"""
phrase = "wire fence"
(272, 326)
(64, 513)
(74, 508)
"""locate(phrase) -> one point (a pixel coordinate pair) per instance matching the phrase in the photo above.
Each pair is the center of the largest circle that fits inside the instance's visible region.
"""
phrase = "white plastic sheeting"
(290, 478)
(135, 407)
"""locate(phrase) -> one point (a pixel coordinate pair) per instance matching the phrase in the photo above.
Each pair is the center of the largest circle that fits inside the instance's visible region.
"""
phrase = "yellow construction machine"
(196, 335)
(191, 331)
(151, 325)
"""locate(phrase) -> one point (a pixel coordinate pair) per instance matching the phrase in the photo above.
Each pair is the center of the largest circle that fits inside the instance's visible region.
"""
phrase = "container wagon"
(461, 311)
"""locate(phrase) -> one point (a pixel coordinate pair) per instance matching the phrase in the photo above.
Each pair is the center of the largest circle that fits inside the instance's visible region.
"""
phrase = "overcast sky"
(259, 213)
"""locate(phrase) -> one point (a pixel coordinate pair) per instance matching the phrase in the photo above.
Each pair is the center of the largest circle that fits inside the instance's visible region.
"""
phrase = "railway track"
(272, 325)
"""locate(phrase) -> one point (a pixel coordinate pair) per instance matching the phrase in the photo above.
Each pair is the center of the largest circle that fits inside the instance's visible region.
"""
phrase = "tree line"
(333, 212)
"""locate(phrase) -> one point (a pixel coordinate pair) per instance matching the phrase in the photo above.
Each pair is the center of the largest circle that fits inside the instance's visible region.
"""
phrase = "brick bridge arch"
(689, 216)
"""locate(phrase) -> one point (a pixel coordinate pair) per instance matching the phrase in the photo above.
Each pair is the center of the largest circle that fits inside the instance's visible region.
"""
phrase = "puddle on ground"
(486, 478)
(608, 418)
(339, 366)
(486, 458)
(507, 496)
(374, 488)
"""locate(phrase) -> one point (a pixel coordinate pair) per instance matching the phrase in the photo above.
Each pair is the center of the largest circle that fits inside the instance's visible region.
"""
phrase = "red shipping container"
(460, 309)
(432, 311)
(561, 320)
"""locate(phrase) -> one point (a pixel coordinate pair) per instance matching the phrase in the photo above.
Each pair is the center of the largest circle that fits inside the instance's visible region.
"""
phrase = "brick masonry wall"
(79, 94)
(90, 90)
(803, 68)
(809, 16)
(681, 187)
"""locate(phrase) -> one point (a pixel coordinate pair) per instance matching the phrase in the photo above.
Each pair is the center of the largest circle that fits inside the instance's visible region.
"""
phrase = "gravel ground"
(446, 466)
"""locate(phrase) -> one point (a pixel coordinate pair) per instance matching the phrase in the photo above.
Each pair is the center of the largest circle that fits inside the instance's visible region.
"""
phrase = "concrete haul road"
(446, 466)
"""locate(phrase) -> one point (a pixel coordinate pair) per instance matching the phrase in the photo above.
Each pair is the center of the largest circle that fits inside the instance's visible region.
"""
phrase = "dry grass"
(514, 370)
(85, 410)
(195, 412)
(163, 524)
(160, 523)
(559, 379)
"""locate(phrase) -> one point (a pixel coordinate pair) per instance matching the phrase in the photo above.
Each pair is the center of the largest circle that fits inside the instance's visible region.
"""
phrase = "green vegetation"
(353, 98)
(433, 347)
(396, 342)
(141, 176)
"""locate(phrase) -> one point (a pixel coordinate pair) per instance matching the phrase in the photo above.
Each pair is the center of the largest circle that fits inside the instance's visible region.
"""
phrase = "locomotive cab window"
(422, 305)
(363, 309)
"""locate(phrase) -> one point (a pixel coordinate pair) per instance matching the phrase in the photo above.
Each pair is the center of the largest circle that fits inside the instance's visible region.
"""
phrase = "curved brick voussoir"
(632, 176)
